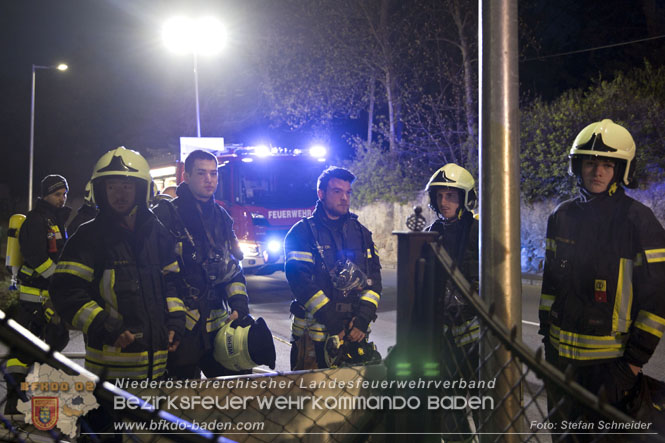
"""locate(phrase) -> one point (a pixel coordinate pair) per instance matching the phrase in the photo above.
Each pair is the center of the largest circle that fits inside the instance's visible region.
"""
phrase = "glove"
(239, 303)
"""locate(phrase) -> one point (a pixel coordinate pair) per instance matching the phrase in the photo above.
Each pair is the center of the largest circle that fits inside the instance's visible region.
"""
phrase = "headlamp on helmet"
(605, 139)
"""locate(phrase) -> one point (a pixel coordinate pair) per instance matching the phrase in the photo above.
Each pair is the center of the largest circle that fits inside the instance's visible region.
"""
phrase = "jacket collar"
(320, 214)
(614, 190)
(60, 215)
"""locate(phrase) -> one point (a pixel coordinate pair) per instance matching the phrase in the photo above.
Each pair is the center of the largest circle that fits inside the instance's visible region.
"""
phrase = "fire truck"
(266, 191)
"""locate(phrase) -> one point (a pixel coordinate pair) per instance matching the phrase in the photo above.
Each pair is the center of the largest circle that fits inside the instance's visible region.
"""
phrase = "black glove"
(361, 323)
(365, 313)
(239, 303)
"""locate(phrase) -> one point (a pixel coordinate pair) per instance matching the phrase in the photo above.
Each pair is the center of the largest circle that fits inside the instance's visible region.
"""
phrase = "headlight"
(249, 249)
(275, 246)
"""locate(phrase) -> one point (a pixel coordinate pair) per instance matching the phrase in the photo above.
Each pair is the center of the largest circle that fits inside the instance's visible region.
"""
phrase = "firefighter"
(335, 274)
(452, 197)
(86, 212)
(602, 306)
(212, 280)
(115, 278)
(41, 239)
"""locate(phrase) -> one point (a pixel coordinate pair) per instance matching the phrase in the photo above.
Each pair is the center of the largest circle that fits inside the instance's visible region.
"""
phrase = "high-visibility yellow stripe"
(174, 304)
(655, 255)
(236, 288)
(107, 292)
(173, 267)
(592, 341)
(45, 268)
(16, 366)
(550, 244)
(216, 319)
(369, 253)
(546, 302)
(371, 296)
(624, 297)
(85, 316)
(300, 256)
(78, 269)
(34, 291)
(191, 318)
(588, 354)
(316, 302)
(650, 323)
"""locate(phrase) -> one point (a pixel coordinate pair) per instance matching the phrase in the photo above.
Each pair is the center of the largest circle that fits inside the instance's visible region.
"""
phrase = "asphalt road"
(270, 298)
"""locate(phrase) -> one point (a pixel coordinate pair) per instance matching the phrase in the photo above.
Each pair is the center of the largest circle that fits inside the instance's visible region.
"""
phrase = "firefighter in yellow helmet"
(602, 307)
(41, 239)
(452, 198)
(115, 280)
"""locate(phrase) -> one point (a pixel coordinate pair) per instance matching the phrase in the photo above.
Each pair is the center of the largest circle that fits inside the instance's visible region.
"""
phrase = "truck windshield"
(280, 182)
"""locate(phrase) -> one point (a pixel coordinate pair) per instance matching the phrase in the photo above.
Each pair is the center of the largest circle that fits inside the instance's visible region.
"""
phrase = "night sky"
(124, 87)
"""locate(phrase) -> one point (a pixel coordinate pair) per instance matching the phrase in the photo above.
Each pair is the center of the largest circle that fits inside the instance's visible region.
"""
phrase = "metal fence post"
(500, 281)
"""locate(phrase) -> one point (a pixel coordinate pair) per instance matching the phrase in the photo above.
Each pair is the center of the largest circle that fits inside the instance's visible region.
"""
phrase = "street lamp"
(59, 67)
(202, 36)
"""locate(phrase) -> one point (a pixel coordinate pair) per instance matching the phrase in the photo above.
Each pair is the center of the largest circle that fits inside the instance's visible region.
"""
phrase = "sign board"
(214, 145)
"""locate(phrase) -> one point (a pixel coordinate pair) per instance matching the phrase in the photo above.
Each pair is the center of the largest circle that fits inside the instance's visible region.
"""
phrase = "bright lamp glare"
(262, 151)
(62, 67)
(205, 36)
(274, 246)
(318, 151)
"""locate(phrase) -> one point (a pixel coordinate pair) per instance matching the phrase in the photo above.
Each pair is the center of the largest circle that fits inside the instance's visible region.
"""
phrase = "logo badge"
(600, 291)
(44, 412)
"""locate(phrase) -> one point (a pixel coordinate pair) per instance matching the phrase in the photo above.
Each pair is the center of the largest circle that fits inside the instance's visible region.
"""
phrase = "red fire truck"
(266, 191)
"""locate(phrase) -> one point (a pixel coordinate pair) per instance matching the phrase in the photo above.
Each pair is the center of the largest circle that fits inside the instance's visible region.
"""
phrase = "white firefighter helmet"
(122, 162)
(605, 139)
(245, 345)
(452, 175)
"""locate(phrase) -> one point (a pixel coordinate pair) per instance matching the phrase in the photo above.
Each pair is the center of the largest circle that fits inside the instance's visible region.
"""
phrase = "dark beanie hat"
(52, 183)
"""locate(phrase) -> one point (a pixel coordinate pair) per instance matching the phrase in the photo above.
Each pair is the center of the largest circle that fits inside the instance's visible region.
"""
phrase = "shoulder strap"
(309, 221)
(179, 230)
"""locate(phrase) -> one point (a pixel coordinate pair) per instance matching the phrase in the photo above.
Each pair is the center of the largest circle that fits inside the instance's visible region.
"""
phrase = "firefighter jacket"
(109, 280)
(41, 239)
(312, 247)
(86, 212)
(603, 293)
(207, 248)
(460, 239)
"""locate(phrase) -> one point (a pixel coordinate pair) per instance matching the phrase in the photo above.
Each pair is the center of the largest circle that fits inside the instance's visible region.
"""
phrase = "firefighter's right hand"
(125, 339)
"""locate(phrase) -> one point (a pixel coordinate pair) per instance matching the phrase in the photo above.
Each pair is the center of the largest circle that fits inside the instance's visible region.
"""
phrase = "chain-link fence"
(65, 394)
(462, 379)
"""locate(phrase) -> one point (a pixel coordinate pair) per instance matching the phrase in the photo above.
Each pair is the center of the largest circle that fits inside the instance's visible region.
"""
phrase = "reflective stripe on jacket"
(603, 293)
(111, 280)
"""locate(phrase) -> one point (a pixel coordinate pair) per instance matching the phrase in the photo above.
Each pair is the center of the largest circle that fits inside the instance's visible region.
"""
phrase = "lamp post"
(59, 67)
(202, 36)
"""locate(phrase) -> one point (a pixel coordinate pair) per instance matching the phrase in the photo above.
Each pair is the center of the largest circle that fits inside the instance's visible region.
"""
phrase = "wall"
(384, 218)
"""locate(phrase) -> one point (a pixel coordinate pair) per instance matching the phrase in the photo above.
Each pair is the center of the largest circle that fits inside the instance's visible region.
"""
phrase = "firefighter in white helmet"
(602, 306)
(115, 278)
(452, 197)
